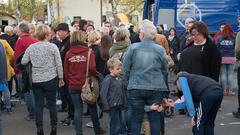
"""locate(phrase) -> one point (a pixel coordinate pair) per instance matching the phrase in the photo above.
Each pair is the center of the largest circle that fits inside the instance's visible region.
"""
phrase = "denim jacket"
(145, 65)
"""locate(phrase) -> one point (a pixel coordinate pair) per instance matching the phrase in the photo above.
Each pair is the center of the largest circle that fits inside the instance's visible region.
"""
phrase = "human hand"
(193, 121)
(61, 83)
(168, 102)
(154, 107)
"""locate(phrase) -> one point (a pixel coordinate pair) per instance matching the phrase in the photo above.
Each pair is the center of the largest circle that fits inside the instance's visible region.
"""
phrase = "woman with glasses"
(202, 56)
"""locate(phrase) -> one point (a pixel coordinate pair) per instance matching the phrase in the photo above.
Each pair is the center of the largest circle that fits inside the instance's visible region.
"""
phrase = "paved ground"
(14, 124)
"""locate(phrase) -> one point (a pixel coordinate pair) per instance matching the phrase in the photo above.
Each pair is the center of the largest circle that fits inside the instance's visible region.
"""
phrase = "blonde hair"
(42, 31)
(94, 36)
(121, 34)
(113, 62)
(78, 36)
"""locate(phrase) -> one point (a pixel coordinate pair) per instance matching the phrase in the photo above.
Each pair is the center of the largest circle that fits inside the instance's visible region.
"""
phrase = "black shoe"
(40, 132)
(9, 110)
(54, 132)
(236, 114)
(63, 110)
(101, 132)
(86, 114)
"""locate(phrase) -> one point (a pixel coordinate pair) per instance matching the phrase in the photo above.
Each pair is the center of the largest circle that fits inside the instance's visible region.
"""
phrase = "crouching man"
(204, 94)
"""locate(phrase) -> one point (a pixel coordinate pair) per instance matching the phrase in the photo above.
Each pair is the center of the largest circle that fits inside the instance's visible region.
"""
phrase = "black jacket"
(26, 74)
(200, 85)
(101, 64)
(10, 39)
(65, 46)
(210, 60)
(175, 47)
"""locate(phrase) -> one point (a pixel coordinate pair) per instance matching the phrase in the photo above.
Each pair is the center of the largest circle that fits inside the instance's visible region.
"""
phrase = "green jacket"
(118, 47)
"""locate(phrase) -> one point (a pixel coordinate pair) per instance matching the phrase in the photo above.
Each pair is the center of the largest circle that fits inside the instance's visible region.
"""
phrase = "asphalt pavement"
(14, 123)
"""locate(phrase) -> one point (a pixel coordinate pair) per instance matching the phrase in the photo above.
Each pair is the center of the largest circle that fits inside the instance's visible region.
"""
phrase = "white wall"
(10, 20)
(87, 9)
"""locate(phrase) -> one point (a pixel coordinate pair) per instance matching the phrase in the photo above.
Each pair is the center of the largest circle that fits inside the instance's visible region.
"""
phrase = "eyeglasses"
(194, 33)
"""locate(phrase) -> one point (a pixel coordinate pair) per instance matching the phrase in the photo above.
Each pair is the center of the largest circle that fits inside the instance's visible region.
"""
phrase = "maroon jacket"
(21, 46)
(75, 66)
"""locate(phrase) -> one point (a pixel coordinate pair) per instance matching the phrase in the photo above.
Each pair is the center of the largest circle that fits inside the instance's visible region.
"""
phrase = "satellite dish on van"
(187, 10)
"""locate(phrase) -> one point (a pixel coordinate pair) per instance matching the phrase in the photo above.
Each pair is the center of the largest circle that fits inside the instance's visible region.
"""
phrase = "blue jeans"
(67, 100)
(115, 118)
(137, 100)
(20, 85)
(27, 96)
(29, 100)
(7, 98)
(94, 117)
(207, 112)
(78, 108)
(226, 77)
(41, 90)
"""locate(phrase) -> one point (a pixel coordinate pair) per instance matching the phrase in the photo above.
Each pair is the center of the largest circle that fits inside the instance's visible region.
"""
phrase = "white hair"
(148, 29)
(189, 19)
(8, 29)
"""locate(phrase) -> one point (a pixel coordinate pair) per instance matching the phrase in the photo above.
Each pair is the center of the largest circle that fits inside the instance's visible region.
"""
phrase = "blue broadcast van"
(172, 13)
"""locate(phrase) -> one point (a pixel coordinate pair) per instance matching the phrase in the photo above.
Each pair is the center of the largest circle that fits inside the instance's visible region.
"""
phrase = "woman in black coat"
(202, 55)
(173, 42)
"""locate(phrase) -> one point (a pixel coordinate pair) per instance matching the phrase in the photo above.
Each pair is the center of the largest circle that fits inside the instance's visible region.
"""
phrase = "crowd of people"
(132, 65)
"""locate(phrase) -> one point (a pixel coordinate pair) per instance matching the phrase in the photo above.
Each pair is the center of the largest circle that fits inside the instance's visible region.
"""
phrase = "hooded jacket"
(75, 66)
(118, 47)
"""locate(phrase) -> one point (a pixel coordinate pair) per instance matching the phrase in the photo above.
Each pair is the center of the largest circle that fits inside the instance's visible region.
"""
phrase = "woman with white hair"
(144, 67)
(9, 36)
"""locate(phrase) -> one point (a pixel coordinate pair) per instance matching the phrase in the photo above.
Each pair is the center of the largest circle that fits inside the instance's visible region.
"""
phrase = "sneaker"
(236, 114)
(220, 108)
(67, 122)
(28, 118)
(89, 125)
(231, 93)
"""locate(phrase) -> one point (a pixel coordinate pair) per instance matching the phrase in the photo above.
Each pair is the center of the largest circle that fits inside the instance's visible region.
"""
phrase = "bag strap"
(88, 61)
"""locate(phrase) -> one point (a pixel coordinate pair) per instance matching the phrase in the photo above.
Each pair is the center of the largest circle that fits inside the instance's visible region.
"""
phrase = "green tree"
(128, 7)
(10, 9)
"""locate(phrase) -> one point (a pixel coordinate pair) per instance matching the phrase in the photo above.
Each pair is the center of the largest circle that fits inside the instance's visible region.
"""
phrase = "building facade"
(78, 9)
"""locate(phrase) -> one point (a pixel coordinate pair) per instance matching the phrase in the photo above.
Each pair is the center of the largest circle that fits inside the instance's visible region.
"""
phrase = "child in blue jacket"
(113, 95)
